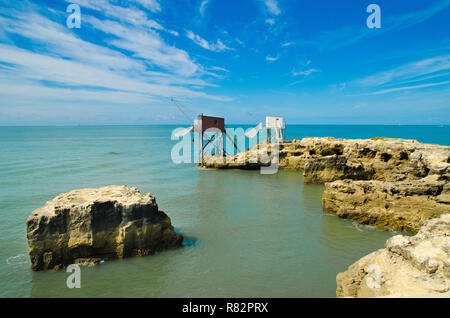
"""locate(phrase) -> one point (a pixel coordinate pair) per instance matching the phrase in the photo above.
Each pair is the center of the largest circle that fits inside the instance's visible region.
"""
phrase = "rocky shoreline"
(401, 206)
(409, 266)
(84, 226)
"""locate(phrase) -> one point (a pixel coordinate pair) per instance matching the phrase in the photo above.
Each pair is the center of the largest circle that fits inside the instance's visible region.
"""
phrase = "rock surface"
(415, 266)
(88, 224)
(328, 159)
(400, 206)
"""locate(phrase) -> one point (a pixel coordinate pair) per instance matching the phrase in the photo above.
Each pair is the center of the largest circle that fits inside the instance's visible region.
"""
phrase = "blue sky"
(313, 62)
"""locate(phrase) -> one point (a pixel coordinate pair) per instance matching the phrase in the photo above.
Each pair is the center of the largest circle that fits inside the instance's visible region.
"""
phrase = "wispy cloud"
(305, 73)
(219, 46)
(414, 70)
(272, 58)
(403, 88)
(203, 6)
(39, 67)
(422, 72)
(152, 5)
(136, 66)
(272, 7)
(127, 15)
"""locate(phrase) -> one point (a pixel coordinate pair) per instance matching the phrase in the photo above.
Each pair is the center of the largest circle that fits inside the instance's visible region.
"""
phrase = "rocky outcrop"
(417, 266)
(329, 159)
(383, 159)
(82, 226)
(400, 206)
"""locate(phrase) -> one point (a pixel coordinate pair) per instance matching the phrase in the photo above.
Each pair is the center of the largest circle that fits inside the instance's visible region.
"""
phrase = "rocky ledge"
(84, 225)
(392, 183)
(328, 159)
(398, 206)
(415, 266)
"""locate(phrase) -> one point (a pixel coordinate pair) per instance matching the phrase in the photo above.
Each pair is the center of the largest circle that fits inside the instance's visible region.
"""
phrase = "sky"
(312, 62)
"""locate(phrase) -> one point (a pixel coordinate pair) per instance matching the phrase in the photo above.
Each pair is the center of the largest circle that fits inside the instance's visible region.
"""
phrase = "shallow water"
(255, 235)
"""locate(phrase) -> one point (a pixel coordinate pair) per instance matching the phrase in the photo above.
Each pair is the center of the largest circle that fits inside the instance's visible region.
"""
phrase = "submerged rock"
(417, 266)
(86, 225)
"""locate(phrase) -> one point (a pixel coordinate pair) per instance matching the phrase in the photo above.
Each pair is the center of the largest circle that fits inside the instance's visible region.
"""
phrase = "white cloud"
(39, 67)
(148, 45)
(404, 88)
(217, 47)
(59, 66)
(144, 43)
(305, 73)
(153, 5)
(203, 6)
(272, 58)
(409, 71)
(18, 88)
(272, 6)
(129, 15)
(286, 44)
(217, 68)
(270, 21)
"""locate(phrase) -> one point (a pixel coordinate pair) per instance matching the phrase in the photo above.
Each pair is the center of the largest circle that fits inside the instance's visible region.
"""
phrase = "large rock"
(401, 206)
(385, 159)
(327, 159)
(109, 222)
(417, 266)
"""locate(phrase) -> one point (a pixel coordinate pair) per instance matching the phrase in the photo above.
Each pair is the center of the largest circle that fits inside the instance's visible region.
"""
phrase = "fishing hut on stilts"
(204, 127)
(275, 126)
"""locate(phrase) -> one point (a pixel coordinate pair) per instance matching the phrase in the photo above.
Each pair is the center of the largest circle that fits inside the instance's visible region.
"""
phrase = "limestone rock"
(327, 159)
(401, 206)
(84, 225)
(415, 266)
(330, 168)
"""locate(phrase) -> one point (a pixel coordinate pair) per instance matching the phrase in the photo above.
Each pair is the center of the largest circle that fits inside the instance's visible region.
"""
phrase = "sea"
(246, 234)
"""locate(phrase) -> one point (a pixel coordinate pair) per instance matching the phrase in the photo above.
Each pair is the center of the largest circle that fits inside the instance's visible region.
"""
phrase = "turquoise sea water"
(255, 235)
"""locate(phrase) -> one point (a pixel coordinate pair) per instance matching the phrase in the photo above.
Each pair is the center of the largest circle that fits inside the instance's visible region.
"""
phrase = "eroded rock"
(89, 224)
(326, 159)
(401, 206)
(416, 266)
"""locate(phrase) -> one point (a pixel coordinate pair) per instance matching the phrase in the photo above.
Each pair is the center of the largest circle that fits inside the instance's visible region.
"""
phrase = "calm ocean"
(255, 235)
